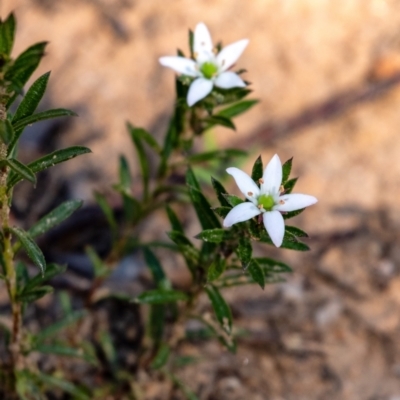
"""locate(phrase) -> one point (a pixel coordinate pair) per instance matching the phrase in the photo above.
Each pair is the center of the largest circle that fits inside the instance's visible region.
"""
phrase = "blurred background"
(327, 74)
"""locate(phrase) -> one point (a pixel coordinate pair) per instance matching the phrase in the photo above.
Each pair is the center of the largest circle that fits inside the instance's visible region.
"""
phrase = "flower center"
(266, 201)
(208, 69)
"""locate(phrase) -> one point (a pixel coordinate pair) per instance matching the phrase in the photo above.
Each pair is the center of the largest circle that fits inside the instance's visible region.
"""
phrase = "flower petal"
(241, 212)
(245, 184)
(202, 40)
(230, 54)
(292, 202)
(227, 80)
(272, 176)
(275, 226)
(199, 89)
(180, 64)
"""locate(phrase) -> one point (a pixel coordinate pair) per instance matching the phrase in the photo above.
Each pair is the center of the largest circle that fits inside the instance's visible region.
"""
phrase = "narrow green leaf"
(146, 137)
(29, 296)
(55, 217)
(289, 185)
(237, 109)
(107, 210)
(186, 248)
(59, 350)
(257, 171)
(161, 357)
(286, 168)
(191, 179)
(156, 322)
(32, 249)
(233, 200)
(100, 269)
(222, 211)
(299, 246)
(156, 269)
(6, 131)
(21, 123)
(220, 192)
(244, 251)
(216, 269)
(50, 160)
(257, 273)
(159, 296)
(212, 235)
(174, 221)
(60, 325)
(7, 32)
(292, 214)
(221, 308)
(68, 387)
(191, 43)
(22, 170)
(271, 265)
(295, 231)
(215, 155)
(219, 120)
(143, 159)
(32, 98)
(125, 178)
(52, 270)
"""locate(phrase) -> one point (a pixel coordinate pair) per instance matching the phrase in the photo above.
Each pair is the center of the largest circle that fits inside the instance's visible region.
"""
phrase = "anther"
(281, 202)
(261, 180)
(250, 193)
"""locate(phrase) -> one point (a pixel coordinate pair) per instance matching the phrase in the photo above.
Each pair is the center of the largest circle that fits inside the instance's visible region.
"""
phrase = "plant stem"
(8, 257)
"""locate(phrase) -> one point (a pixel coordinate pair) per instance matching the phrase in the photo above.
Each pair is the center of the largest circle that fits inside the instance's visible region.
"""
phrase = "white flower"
(267, 200)
(208, 68)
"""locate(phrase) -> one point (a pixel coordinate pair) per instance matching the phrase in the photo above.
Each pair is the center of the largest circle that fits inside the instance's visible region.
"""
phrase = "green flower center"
(209, 70)
(266, 201)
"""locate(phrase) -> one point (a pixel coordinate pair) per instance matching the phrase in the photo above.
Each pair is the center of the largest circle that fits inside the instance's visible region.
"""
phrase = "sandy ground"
(332, 66)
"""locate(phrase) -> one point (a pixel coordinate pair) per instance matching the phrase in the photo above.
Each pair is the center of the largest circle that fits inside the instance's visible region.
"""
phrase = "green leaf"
(222, 211)
(237, 109)
(216, 269)
(161, 357)
(6, 131)
(295, 231)
(219, 120)
(29, 296)
(156, 269)
(125, 178)
(186, 248)
(257, 273)
(145, 136)
(191, 179)
(233, 200)
(156, 322)
(7, 32)
(68, 387)
(257, 171)
(100, 269)
(299, 246)
(212, 235)
(271, 265)
(32, 98)
(54, 329)
(137, 137)
(286, 168)
(289, 185)
(22, 170)
(215, 155)
(50, 160)
(160, 296)
(292, 214)
(32, 249)
(220, 192)
(174, 221)
(221, 308)
(59, 350)
(107, 211)
(244, 251)
(55, 217)
(52, 270)
(206, 216)
(23, 67)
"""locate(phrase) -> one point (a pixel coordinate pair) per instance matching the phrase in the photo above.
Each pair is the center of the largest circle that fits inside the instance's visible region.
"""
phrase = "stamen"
(281, 201)
(281, 189)
(260, 206)
(261, 180)
(222, 63)
(250, 193)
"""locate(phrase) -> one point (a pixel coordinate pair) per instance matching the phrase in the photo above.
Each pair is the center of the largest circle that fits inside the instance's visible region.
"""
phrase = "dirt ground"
(328, 77)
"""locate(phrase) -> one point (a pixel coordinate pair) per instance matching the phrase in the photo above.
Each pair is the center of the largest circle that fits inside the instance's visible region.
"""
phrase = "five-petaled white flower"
(208, 68)
(268, 199)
